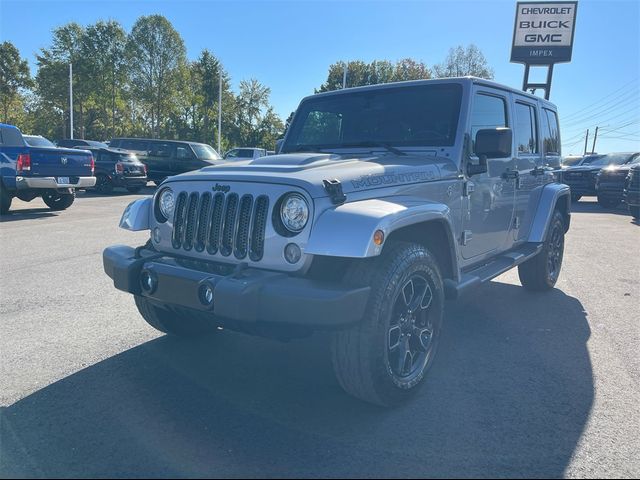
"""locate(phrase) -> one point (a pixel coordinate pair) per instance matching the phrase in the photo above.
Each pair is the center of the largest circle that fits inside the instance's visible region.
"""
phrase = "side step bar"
(488, 271)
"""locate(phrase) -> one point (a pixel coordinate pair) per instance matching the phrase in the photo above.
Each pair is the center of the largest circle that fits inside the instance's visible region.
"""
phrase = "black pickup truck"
(41, 170)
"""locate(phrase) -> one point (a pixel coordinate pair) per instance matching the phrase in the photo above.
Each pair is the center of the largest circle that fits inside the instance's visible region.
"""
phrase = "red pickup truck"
(28, 172)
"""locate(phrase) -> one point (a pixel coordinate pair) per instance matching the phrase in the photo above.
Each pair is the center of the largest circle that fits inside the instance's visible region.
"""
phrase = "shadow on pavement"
(509, 395)
(594, 207)
(28, 214)
(117, 192)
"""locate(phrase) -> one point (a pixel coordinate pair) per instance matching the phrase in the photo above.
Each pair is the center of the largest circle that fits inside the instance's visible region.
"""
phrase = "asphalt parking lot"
(525, 385)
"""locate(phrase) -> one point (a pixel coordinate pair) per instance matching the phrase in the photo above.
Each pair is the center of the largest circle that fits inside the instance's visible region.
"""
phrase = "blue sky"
(289, 46)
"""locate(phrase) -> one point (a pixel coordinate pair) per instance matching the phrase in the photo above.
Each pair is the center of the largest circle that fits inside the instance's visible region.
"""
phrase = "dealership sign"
(543, 33)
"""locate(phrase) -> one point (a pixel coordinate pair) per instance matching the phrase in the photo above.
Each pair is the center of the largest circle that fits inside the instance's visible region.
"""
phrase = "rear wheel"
(177, 322)
(383, 360)
(104, 185)
(542, 271)
(59, 201)
(608, 202)
(5, 200)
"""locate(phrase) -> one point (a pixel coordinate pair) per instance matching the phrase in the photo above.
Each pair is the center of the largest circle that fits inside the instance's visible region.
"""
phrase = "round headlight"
(166, 203)
(294, 212)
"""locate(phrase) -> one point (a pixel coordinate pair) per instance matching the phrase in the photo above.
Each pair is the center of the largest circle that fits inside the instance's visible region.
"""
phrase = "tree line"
(140, 83)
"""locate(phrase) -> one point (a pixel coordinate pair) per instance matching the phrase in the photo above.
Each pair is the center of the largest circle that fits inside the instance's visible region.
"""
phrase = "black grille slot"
(203, 221)
(179, 220)
(230, 214)
(244, 222)
(219, 223)
(216, 224)
(190, 227)
(260, 215)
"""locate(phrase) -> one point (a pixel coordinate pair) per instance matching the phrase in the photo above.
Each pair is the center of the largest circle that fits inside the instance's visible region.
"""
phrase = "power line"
(601, 100)
(624, 100)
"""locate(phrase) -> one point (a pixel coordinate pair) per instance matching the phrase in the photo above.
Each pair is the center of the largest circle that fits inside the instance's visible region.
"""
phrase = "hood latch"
(334, 189)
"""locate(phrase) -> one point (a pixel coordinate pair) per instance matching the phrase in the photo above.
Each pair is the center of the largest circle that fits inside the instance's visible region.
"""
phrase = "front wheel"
(542, 271)
(104, 185)
(5, 200)
(176, 322)
(59, 201)
(384, 359)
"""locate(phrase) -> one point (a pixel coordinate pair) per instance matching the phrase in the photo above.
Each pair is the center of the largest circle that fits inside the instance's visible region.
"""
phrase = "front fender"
(347, 230)
(550, 197)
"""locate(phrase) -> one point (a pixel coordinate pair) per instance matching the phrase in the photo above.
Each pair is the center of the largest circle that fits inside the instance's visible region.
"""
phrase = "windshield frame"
(458, 113)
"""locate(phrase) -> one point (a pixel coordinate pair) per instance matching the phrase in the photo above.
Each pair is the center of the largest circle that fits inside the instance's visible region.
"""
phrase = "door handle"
(538, 171)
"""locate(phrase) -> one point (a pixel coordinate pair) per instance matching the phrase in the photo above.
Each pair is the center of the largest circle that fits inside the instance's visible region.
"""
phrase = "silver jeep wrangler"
(383, 202)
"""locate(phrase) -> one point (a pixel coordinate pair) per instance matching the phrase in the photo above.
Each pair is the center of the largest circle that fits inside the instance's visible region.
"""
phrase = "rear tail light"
(144, 165)
(119, 168)
(93, 165)
(23, 163)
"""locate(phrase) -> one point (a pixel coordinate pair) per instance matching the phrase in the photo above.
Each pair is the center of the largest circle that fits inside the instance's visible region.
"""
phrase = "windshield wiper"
(372, 143)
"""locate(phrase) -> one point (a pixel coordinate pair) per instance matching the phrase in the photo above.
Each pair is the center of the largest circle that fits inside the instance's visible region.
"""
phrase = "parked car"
(611, 180)
(244, 154)
(571, 160)
(404, 194)
(631, 194)
(118, 168)
(77, 142)
(165, 158)
(28, 172)
(582, 178)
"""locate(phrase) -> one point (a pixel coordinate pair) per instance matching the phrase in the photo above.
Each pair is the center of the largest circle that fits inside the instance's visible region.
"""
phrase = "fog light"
(206, 295)
(157, 236)
(148, 281)
(292, 253)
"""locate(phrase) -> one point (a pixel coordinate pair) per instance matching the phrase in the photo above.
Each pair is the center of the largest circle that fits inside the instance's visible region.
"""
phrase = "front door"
(490, 196)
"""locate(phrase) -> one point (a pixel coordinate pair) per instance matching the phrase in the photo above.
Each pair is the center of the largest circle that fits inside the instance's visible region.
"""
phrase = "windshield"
(205, 152)
(423, 115)
(570, 161)
(611, 159)
(37, 141)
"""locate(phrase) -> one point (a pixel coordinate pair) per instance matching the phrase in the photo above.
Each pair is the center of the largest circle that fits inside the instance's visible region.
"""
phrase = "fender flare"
(347, 230)
(551, 195)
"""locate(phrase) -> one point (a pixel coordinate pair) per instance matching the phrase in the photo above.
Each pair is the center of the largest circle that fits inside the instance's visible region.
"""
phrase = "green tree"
(157, 53)
(462, 61)
(360, 73)
(14, 78)
(256, 124)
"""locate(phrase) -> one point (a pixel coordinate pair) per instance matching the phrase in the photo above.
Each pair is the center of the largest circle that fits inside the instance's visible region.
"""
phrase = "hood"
(584, 168)
(356, 172)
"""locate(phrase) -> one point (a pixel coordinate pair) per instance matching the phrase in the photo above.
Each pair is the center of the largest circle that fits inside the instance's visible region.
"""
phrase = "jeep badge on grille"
(221, 188)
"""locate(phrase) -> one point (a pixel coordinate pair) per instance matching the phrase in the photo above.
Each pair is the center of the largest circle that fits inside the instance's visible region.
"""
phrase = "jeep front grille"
(221, 224)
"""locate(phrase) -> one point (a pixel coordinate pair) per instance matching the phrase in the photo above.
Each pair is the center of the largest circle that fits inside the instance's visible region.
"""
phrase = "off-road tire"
(538, 273)
(635, 211)
(608, 202)
(5, 200)
(177, 322)
(361, 355)
(59, 201)
(104, 185)
(134, 190)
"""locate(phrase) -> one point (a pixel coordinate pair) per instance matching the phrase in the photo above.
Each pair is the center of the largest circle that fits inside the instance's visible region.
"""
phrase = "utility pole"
(586, 140)
(220, 113)
(71, 98)
(595, 137)
(344, 76)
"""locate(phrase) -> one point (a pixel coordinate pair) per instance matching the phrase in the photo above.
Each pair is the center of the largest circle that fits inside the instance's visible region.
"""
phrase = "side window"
(232, 154)
(11, 137)
(135, 145)
(551, 132)
(160, 149)
(183, 152)
(526, 130)
(488, 112)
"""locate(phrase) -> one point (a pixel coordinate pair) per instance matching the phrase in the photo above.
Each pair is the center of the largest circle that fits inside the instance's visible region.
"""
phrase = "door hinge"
(466, 237)
(516, 222)
(468, 188)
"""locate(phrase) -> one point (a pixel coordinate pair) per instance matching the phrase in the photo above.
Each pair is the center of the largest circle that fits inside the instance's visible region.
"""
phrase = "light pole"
(71, 98)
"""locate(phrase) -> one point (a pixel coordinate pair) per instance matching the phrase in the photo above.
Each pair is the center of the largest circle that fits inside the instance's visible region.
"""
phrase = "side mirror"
(490, 143)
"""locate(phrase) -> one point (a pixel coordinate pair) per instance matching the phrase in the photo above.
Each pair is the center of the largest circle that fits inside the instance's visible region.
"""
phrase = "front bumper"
(610, 190)
(24, 183)
(248, 295)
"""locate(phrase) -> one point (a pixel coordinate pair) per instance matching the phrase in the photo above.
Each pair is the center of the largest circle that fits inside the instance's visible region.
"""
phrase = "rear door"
(160, 159)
